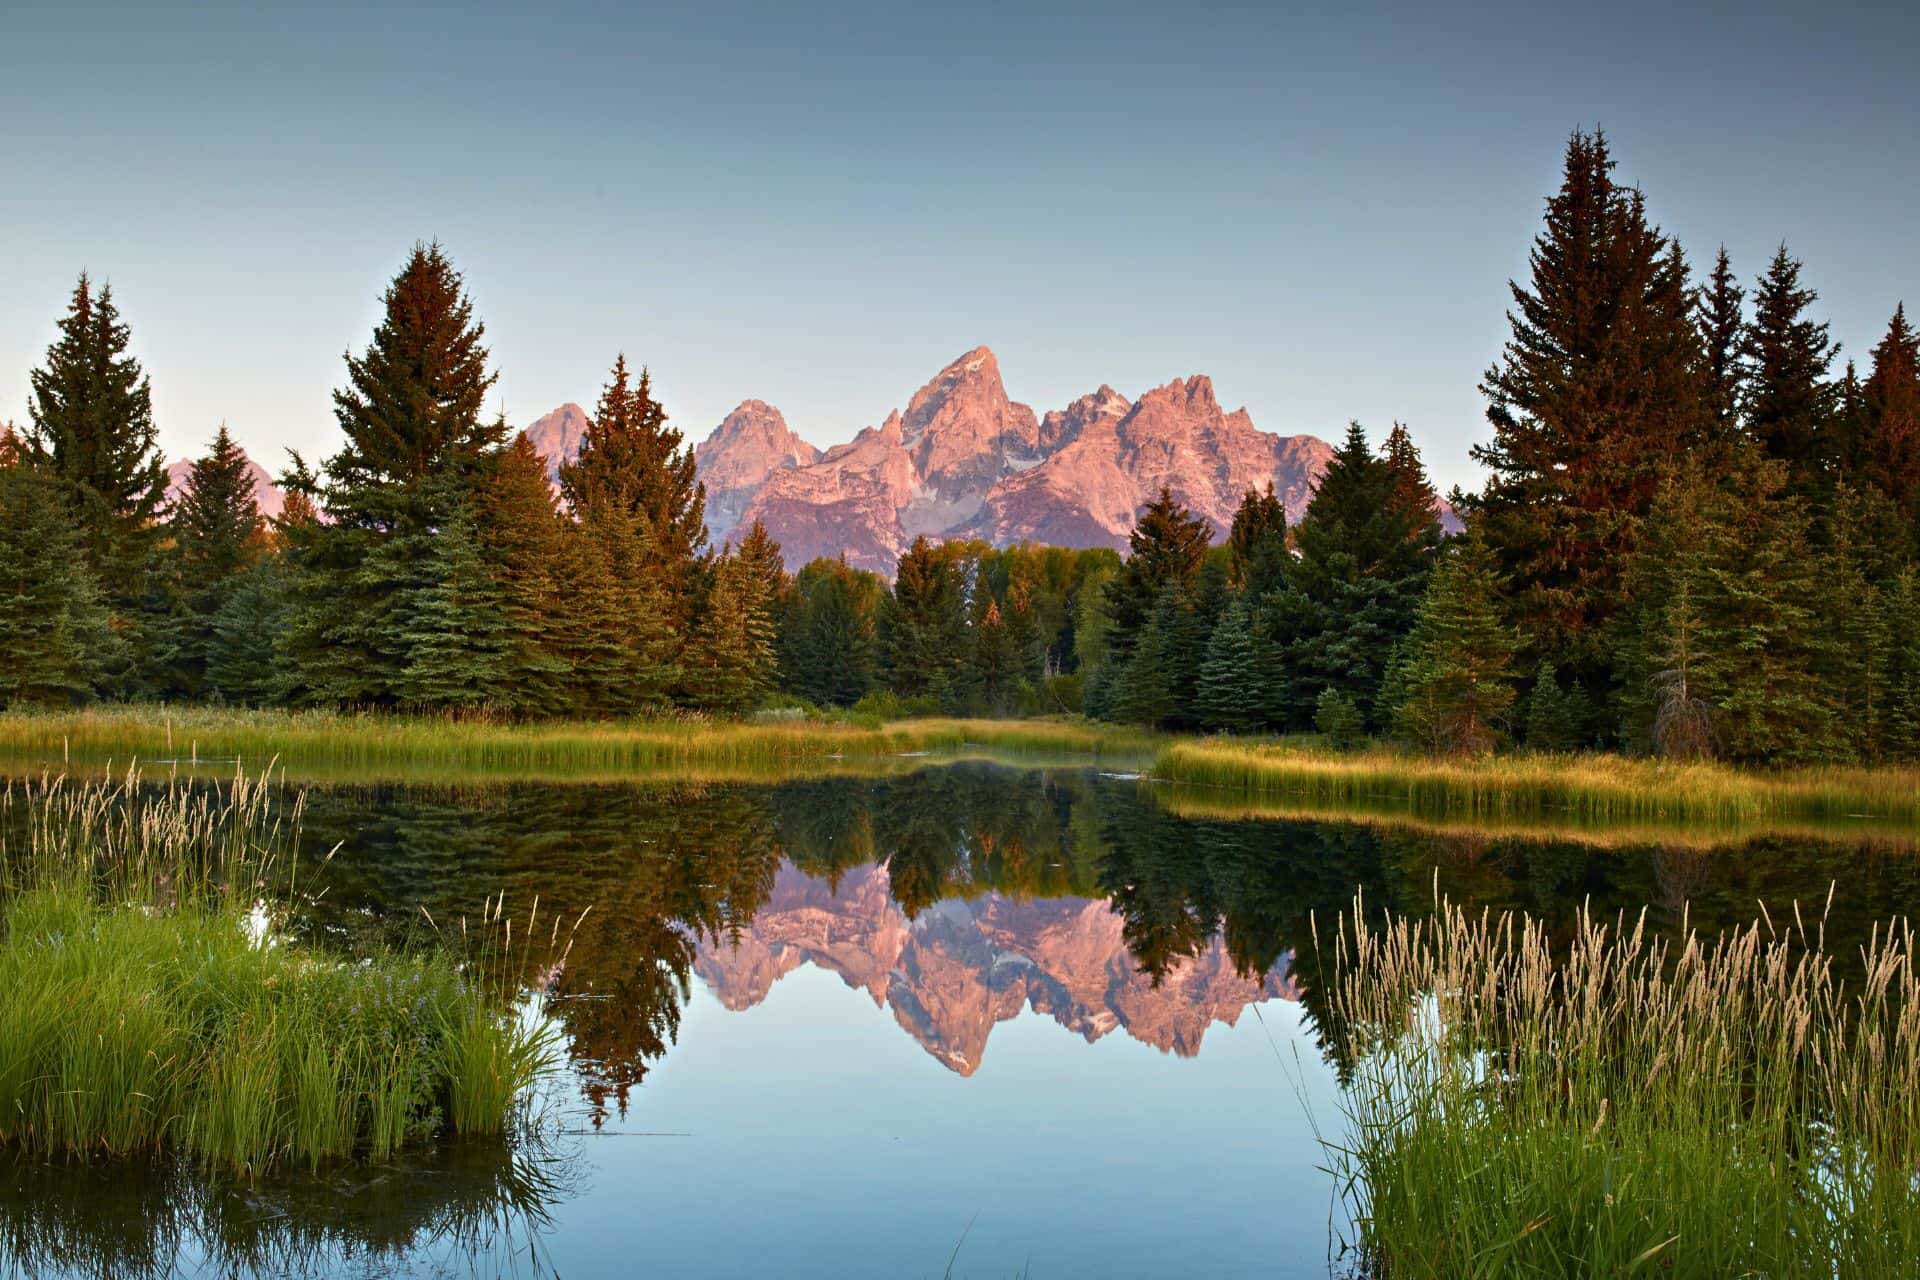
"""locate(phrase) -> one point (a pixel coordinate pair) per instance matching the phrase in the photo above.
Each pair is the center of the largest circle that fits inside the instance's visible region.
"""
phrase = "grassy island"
(149, 1003)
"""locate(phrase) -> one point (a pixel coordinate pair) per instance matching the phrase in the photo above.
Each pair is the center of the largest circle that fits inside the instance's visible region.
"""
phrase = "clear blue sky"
(818, 205)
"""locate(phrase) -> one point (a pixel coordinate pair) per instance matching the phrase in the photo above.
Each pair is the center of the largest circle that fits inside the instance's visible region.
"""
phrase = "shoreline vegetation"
(1218, 777)
(150, 1003)
(1702, 1107)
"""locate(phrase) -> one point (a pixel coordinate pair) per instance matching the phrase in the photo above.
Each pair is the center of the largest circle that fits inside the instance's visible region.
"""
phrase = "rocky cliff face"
(963, 460)
(748, 446)
(265, 493)
(950, 975)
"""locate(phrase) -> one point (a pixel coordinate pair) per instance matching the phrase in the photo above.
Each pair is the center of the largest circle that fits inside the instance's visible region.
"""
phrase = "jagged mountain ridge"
(965, 461)
(961, 967)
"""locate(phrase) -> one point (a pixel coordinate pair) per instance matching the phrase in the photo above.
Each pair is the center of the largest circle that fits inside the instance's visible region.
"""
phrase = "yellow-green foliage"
(376, 746)
(146, 1002)
(1570, 790)
(1720, 1107)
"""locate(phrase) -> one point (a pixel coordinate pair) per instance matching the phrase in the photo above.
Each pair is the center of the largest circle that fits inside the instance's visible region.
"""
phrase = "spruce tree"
(997, 665)
(1165, 549)
(924, 639)
(632, 461)
(1456, 677)
(1143, 687)
(1339, 721)
(764, 587)
(218, 534)
(1594, 397)
(618, 642)
(1556, 717)
(457, 637)
(1898, 626)
(54, 627)
(1367, 544)
(246, 636)
(1257, 544)
(415, 441)
(91, 430)
(1229, 693)
(1891, 450)
(1784, 360)
(827, 632)
(523, 544)
(729, 660)
(1722, 320)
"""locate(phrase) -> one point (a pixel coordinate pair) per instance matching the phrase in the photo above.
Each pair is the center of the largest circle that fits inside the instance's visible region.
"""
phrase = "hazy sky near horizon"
(819, 205)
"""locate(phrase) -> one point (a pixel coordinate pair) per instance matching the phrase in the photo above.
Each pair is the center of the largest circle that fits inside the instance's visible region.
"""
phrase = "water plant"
(150, 1002)
(1612, 1104)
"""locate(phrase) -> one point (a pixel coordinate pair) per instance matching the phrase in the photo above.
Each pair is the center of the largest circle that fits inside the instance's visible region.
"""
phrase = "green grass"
(148, 1004)
(1560, 791)
(1616, 1107)
(332, 746)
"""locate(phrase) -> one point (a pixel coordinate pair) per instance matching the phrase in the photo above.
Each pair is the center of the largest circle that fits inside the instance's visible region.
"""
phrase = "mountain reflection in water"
(957, 901)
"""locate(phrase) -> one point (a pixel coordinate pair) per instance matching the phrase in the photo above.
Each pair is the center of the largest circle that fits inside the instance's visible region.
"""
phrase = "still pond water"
(973, 1020)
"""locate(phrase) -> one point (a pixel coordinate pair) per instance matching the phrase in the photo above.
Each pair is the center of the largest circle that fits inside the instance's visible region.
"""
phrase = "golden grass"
(315, 746)
(1565, 793)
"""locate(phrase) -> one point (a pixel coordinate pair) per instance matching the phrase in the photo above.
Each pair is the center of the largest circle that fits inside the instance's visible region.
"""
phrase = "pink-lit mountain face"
(265, 493)
(963, 966)
(964, 461)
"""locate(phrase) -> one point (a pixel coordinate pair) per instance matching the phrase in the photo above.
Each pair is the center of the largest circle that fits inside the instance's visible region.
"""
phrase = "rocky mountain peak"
(748, 446)
(556, 436)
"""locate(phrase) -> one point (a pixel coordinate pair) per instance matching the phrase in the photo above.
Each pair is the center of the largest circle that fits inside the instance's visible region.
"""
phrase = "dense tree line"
(428, 565)
(1696, 538)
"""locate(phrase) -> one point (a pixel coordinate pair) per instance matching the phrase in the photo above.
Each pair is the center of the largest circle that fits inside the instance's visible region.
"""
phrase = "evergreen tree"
(923, 635)
(1339, 720)
(1257, 544)
(218, 534)
(764, 589)
(632, 461)
(1899, 639)
(91, 430)
(1166, 548)
(1891, 452)
(1367, 543)
(1143, 687)
(53, 626)
(1455, 681)
(997, 661)
(523, 544)
(458, 641)
(1785, 358)
(1722, 321)
(730, 660)
(1229, 694)
(1556, 717)
(827, 633)
(415, 441)
(618, 640)
(246, 636)
(1596, 394)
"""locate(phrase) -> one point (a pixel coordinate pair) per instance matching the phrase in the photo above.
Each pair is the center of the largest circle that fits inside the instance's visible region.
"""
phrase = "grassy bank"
(1562, 791)
(1723, 1109)
(147, 1005)
(370, 747)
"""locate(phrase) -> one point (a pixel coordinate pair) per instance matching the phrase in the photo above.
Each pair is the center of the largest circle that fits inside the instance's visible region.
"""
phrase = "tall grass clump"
(1621, 1105)
(149, 1003)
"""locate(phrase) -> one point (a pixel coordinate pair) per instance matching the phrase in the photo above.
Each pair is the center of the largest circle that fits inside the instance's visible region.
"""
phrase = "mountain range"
(962, 966)
(962, 460)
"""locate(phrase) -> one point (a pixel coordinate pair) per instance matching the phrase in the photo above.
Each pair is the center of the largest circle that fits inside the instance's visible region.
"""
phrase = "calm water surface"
(1036, 1023)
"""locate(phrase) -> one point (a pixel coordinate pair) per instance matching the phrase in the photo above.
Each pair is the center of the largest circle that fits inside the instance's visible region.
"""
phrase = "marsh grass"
(380, 747)
(1619, 1105)
(149, 1003)
(1579, 790)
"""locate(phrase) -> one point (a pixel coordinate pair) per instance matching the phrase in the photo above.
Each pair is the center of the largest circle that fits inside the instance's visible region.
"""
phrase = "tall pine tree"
(1891, 396)
(218, 534)
(1594, 397)
(1785, 358)
(53, 626)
